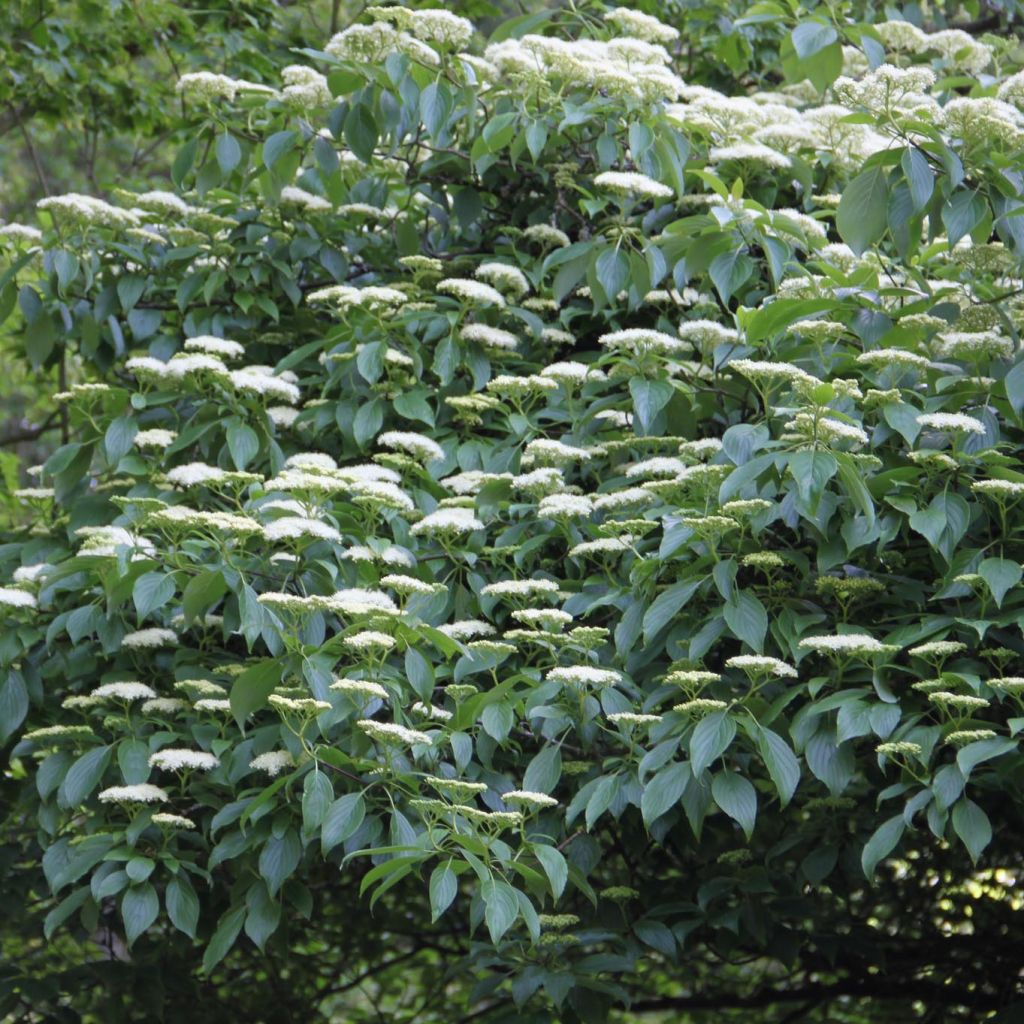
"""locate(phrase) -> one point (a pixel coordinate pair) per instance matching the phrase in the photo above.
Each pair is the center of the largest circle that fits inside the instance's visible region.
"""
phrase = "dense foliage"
(537, 535)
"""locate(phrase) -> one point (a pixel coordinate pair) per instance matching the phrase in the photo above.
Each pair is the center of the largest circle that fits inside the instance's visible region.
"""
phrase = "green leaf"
(243, 443)
(544, 771)
(497, 720)
(967, 758)
(202, 593)
(729, 270)
(40, 339)
(435, 107)
(317, 796)
(342, 820)
(419, 673)
(781, 762)
(276, 146)
(118, 440)
(229, 152)
(555, 867)
(881, 844)
(1014, 384)
(971, 824)
(776, 316)
(13, 704)
(657, 935)
(139, 908)
(710, 740)
(66, 264)
(809, 37)
(361, 132)
(649, 398)
(919, 175)
(250, 690)
(413, 405)
(223, 938)
(736, 796)
(263, 914)
(60, 913)
(812, 469)
(612, 271)
(746, 617)
(183, 161)
(444, 885)
(663, 791)
(536, 138)
(1001, 575)
(863, 209)
(133, 760)
(501, 907)
(182, 905)
(961, 214)
(83, 776)
(666, 606)
(279, 858)
(368, 420)
(152, 590)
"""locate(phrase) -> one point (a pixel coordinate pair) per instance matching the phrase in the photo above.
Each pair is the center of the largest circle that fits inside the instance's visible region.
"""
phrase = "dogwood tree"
(539, 536)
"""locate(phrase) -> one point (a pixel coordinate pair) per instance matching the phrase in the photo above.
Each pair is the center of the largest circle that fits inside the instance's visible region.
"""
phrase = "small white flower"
(467, 629)
(174, 759)
(149, 638)
(359, 601)
(14, 598)
(473, 293)
(154, 438)
(490, 337)
(630, 183)
(415, 444)
(529, 798)
(273, 762)
(447, 522)
(126, 691)
(757, 663)
(951, 421)
(363, 687)
(584, 675)
(520, 588)
(294, 527)
(847, 643)
(504, 276)
(567, 506)
(368, 640)
(172, 821)
(140, 793)
(392, 733)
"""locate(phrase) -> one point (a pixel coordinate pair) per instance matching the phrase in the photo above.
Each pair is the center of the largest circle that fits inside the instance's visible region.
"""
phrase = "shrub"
(574, 509)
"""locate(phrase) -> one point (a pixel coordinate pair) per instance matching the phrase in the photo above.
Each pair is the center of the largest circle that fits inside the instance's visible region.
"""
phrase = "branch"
(31, 433)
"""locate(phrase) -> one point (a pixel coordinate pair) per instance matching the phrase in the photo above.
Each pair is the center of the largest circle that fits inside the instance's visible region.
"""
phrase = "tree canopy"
(536, 527)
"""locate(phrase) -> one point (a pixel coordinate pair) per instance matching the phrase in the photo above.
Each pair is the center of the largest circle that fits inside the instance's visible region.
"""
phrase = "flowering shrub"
(569, 507)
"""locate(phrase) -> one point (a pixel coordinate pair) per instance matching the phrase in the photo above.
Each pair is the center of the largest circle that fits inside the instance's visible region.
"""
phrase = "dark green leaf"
(444, 885)
(881, 844)
(710, 740)
(862, 214)
(343, 817)
(182, 905)
(736, 796)
(971, 824)
(139, 908)
(663, 791)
